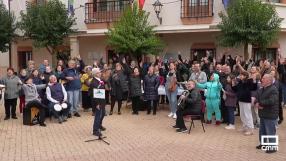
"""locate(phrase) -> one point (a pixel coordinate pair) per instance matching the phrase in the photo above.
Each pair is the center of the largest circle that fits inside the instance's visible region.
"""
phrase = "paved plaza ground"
(132, 138)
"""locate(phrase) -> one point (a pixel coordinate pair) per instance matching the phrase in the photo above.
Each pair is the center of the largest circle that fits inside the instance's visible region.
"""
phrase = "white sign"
(269, 145)
(99, 93)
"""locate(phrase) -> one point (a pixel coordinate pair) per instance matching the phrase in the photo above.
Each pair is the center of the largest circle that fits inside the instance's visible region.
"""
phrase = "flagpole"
(10, 56)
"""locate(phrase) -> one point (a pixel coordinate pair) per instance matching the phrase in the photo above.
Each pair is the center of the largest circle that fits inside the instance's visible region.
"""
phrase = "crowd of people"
(255, 91)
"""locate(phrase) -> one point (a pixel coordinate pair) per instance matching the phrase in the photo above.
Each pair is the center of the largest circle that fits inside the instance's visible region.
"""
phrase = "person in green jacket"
(212, 94)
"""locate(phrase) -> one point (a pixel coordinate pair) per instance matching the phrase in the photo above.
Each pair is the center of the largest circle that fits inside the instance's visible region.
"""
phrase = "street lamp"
(157, 8)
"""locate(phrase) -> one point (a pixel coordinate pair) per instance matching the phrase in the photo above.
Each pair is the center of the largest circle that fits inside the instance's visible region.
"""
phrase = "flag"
(141, 4)
(71, 7)
(225, 3)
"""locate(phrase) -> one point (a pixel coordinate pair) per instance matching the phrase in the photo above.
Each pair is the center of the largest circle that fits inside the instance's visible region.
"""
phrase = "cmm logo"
(269, 142)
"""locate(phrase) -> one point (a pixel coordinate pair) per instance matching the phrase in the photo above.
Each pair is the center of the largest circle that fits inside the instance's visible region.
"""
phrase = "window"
(196, 8)
(101, 11)
(269, 54)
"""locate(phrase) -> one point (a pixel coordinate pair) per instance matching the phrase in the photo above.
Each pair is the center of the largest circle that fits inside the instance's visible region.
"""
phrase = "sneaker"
(76, 114)
(170, 115)
(182, 130)
(176, 127)
(174, 116)
(230, 127)
(248, 133)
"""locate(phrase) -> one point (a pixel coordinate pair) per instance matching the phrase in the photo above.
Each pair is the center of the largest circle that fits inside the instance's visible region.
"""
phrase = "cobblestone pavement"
(143, 137)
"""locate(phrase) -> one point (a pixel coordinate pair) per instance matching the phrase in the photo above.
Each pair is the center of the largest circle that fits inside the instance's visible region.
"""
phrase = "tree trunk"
(53, 52)
(246, 55)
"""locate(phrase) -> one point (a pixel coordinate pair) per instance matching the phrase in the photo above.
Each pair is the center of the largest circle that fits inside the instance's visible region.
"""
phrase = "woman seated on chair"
(32, 98)
(57, 96)
(190, 105)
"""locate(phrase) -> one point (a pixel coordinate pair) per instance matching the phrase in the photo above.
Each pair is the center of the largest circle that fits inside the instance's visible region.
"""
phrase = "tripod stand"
(100, 138)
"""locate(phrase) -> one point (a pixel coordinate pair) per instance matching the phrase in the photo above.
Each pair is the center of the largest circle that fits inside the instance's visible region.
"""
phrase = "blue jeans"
(172, 97)
(284, 92)
(98, 118)
(231, 116)
(267, 127)
(73, 98)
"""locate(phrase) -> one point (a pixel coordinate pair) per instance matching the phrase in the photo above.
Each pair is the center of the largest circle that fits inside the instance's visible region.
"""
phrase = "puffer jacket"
(135, 86)
(213, 88)
(118, 85)
(150, 86)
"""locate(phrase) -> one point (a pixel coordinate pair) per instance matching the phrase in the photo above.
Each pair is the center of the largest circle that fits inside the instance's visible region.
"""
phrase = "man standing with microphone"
(97, 91)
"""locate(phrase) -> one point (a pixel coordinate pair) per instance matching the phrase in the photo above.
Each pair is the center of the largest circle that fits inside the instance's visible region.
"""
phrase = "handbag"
(173, 84)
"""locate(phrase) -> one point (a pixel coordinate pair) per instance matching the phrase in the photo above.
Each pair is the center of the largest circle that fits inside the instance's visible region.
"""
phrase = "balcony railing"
(196, 8)
(105, 11)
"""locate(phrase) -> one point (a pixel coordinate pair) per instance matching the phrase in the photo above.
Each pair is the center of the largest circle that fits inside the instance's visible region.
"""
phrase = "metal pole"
(10, 55)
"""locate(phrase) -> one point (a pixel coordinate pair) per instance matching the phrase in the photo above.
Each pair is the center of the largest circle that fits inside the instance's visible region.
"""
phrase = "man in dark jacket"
(192, 106)
(267, 103)
(73, 85)
(97, 102)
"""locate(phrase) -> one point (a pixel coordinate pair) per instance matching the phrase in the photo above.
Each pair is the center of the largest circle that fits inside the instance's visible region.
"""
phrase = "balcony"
(197, 12)
(196, 8)
(104, 11)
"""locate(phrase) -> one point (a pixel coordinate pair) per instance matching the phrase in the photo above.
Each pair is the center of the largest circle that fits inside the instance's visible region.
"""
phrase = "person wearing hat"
(32, 98)
(57, 95)
(97, 103)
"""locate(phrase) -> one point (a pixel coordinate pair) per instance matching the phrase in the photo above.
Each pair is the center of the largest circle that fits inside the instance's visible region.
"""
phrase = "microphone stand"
(100, 138)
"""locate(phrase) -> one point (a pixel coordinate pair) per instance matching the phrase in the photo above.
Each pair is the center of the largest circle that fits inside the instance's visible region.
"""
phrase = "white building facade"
(188, 26)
